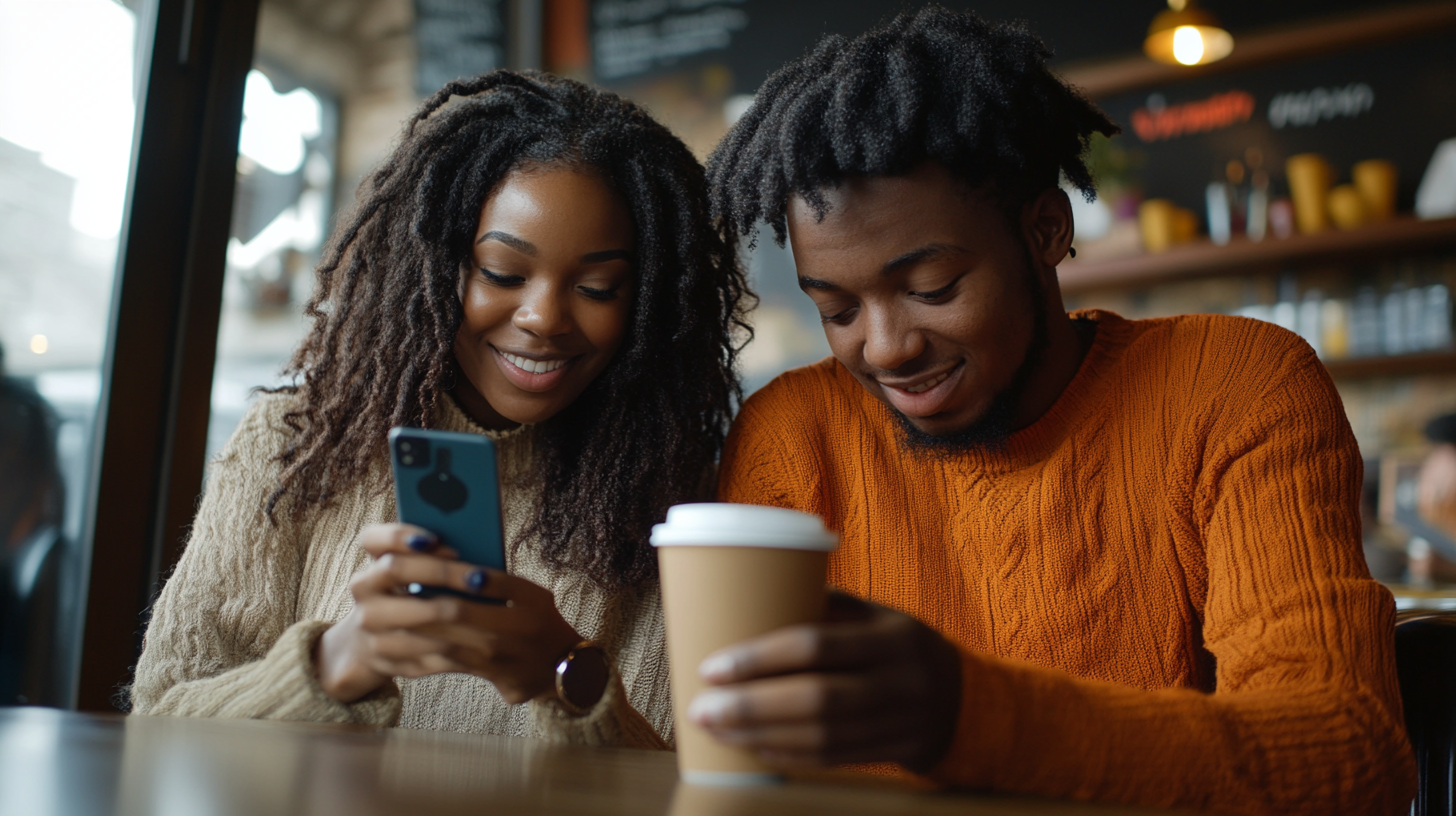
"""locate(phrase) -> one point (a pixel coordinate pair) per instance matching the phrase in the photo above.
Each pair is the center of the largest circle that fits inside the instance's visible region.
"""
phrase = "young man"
(1107, 559)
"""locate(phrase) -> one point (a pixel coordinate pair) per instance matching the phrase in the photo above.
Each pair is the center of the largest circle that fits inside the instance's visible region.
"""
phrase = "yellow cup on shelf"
(1185, 225)
(1347, 207)
(1376, 179)
(1155, 222)
(1310, 177)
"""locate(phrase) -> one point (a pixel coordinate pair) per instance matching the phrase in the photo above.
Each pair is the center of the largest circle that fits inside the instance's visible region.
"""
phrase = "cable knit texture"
(1157, 588)
(233, 631)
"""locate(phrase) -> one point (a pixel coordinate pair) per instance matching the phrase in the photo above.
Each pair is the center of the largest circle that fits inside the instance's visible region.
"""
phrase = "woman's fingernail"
(476, 580)
(711, 706)
(421, 543)
(716, 667)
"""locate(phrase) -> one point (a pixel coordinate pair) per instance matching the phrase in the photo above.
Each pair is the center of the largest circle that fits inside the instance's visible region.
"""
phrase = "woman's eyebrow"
(520, 245)
(606, 255)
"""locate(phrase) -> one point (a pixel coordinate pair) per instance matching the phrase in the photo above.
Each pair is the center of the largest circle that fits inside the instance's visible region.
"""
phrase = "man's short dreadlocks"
(932, 85)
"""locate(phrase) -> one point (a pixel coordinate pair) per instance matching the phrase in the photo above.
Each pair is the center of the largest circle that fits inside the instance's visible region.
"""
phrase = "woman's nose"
(545, 313)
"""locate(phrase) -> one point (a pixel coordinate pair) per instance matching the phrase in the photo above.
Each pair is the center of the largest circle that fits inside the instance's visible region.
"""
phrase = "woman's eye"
(502, 280)
(838, 317)
(937, 294)
(599, 294)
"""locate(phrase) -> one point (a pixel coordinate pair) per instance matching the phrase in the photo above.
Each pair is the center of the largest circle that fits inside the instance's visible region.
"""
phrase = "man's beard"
(996, 425)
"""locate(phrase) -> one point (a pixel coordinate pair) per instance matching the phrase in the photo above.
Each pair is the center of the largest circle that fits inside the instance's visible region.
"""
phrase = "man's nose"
(889, 341)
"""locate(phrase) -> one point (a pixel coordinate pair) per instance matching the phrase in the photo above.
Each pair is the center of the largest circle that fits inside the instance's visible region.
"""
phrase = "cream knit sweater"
(233, 631)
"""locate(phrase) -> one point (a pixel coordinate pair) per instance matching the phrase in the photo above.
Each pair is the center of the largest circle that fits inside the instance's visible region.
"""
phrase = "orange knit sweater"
(1157, 588)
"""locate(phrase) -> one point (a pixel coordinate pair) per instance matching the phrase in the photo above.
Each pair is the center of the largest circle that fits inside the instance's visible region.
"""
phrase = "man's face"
(925, 292)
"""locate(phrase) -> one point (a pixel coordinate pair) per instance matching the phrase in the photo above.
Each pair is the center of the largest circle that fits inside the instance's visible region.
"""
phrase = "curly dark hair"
(387, 308)
(931, 85)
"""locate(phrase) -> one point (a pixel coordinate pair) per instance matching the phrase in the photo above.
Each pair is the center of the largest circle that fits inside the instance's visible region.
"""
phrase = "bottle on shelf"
(1220, 212)
(1437, 322)
(1310, 320)
(1335, 328)
(1415, 319)
(1365, 339)
(1285, 313)
(1257, 219)
(1256, 208)
(1392, 320)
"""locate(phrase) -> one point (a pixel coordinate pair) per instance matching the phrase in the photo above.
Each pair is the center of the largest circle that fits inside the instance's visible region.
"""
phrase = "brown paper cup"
(1376, 180)
(732, 572)
(1309, 185)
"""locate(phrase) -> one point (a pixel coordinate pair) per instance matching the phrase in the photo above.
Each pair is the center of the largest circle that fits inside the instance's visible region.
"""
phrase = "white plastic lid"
(720, 524)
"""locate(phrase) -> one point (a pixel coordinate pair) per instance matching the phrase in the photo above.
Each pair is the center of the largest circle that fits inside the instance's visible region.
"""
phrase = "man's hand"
(868, 685)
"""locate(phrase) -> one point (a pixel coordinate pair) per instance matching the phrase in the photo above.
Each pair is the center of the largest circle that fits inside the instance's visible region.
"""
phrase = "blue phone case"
(447, 483)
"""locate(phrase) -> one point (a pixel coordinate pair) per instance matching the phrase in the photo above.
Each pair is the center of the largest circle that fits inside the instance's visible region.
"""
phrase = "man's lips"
(926, 394)
(531, 373)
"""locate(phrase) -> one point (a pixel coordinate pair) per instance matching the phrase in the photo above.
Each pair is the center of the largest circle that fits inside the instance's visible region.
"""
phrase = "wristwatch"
(581, 678)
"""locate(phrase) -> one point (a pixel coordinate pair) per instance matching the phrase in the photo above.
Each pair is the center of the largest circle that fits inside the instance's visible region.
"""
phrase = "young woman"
(534, 263)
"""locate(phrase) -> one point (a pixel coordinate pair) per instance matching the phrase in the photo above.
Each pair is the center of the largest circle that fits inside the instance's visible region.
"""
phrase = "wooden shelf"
(1203, 258)
(1404, 365)
(1103, 78)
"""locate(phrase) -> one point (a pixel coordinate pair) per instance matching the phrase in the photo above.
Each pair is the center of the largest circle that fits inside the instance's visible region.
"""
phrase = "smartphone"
(447, 483)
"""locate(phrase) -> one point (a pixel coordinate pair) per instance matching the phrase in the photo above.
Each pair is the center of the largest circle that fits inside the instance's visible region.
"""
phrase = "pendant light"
(1187, 35)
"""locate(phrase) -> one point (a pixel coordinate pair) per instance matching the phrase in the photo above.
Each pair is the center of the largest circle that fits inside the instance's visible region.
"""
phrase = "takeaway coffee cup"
(731, 572)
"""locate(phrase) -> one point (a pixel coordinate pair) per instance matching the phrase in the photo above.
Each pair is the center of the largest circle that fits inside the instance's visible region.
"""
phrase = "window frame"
(162, 339)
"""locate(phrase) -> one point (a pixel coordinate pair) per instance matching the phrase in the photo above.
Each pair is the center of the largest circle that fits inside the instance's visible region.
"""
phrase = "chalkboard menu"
(1392, 102)
(637, 40)
(458, 38)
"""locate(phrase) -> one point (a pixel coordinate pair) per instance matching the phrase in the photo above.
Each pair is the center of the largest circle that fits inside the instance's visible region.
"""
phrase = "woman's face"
(546, 296)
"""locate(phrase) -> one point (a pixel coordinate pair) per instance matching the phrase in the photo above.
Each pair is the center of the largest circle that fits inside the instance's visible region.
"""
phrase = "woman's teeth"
(533, 366)
(928, 384)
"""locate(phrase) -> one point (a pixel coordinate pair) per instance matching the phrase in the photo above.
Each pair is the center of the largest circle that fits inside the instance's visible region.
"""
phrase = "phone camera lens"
(405, 446)
(406, 459)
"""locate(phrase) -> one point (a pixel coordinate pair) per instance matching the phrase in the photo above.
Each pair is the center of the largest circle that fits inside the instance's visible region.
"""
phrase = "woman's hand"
(392, 634)
(869, 685)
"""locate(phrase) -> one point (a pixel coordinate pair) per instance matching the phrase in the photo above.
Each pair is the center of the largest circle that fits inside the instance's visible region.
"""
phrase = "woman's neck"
(476, 407)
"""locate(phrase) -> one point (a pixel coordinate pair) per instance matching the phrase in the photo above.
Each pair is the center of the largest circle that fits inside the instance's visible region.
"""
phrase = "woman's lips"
(527, 380)
(931, 395)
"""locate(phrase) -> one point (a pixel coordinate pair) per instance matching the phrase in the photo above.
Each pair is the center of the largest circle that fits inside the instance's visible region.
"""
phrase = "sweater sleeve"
(224, 640)
(611, 722)
(1306, 716)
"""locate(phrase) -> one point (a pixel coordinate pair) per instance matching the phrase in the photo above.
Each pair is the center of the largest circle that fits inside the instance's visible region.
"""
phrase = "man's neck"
(1066, 346)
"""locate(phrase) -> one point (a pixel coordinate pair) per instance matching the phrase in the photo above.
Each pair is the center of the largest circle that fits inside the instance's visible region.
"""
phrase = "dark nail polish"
(421, 543)
(476, 580)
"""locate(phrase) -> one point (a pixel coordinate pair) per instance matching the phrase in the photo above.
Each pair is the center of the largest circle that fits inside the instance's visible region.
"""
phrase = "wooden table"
(69, 764)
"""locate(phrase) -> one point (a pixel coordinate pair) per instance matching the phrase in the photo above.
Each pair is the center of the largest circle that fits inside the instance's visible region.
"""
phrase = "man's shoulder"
(1217, 352)
(804, 392)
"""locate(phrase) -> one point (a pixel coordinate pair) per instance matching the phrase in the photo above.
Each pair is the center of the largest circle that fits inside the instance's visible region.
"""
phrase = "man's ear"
(1046, 223)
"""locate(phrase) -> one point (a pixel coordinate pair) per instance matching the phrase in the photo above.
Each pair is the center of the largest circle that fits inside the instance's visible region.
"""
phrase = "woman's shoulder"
(264, 430)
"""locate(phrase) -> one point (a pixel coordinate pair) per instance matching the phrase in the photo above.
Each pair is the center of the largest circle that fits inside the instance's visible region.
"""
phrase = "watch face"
(581, 679)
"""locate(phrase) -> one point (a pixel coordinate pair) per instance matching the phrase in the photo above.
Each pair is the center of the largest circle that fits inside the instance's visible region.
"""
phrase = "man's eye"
(599, 294)
(502, 280)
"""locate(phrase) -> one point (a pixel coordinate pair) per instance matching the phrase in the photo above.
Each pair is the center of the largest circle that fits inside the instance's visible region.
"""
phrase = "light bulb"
(39, 344)
(1187, 45)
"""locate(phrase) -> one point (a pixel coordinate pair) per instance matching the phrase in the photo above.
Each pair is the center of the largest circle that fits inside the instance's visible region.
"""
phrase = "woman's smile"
(534, 375)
